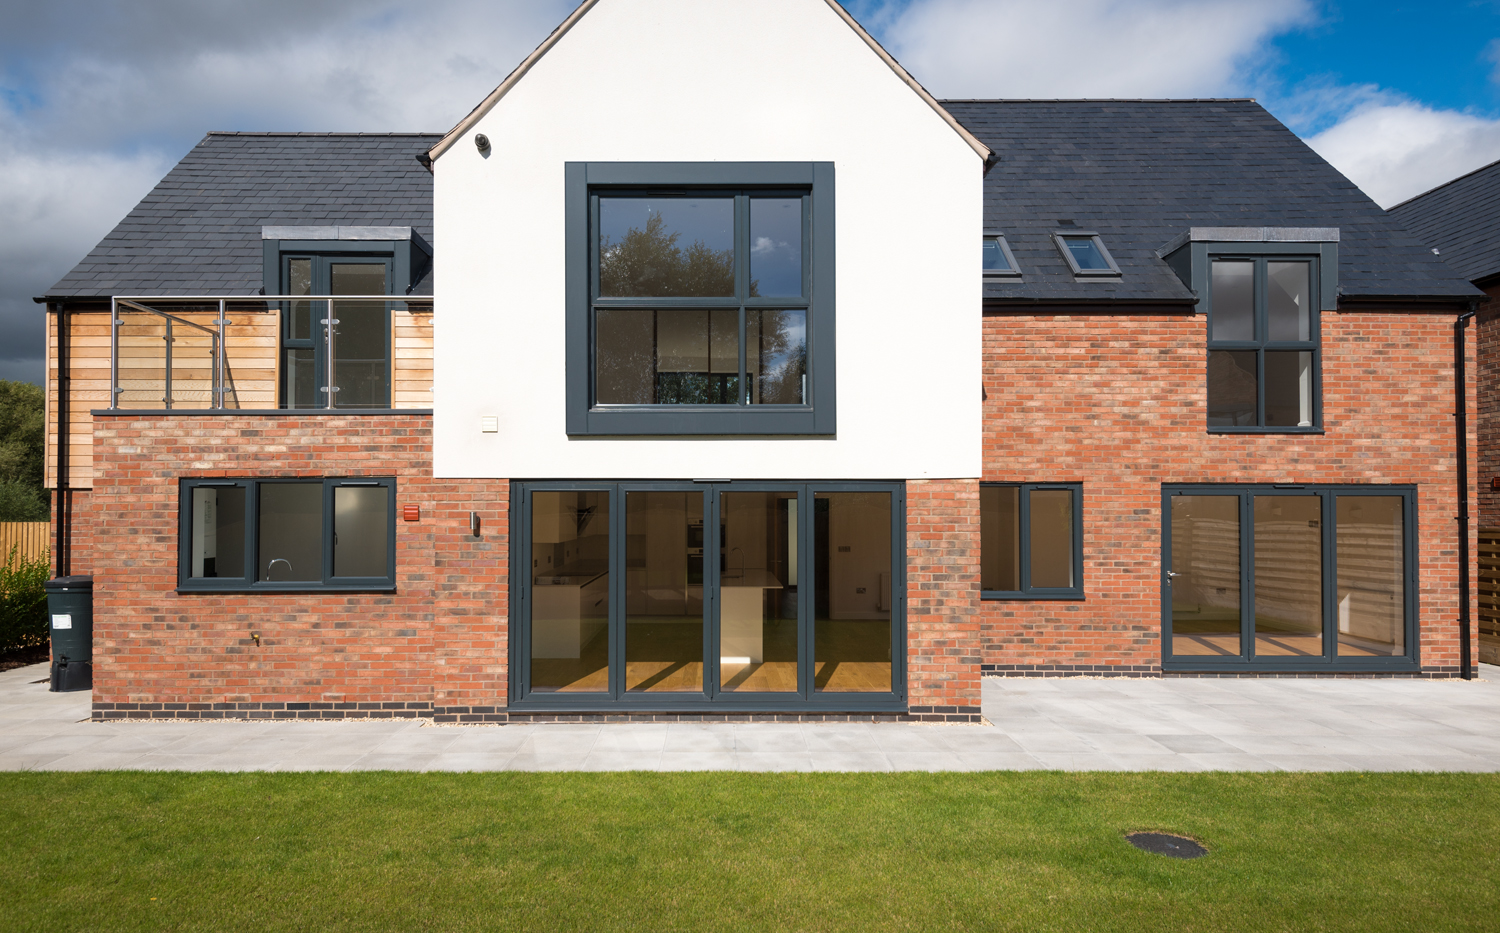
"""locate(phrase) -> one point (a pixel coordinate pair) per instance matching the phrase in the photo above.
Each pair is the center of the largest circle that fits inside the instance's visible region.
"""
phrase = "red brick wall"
(1118, 402)
(439, 640)
(1487, 325)
(942, 597)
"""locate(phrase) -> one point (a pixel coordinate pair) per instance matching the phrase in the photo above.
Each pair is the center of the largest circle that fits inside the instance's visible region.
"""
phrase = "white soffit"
(488, 104)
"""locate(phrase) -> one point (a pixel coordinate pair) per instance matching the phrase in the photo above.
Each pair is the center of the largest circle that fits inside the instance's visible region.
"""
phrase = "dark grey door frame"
(1330, 661)
(712, 699)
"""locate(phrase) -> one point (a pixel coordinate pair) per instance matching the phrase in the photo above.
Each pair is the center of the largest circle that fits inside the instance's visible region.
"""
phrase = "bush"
(20, 502)
(23, 601)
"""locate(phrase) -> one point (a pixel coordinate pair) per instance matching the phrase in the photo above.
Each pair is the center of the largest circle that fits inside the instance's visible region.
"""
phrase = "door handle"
(1170, 574)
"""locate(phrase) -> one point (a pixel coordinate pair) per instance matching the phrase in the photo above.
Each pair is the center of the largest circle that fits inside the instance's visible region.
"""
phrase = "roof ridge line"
(1099, 100)
(314, 133)
(1443, 185)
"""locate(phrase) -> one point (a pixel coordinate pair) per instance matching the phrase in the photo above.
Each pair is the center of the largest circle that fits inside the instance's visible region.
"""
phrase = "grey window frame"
(1014, 272)
(248, 583)
(1261, 254)
(817, 414)
(713, 699)
(1330, 661)
(1060, 238)
(1029, 592)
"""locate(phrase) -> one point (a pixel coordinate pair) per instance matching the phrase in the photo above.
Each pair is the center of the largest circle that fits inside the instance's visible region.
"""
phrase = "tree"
(22, 450)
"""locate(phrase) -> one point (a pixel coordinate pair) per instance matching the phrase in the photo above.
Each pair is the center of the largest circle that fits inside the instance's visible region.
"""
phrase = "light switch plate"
(489, 424)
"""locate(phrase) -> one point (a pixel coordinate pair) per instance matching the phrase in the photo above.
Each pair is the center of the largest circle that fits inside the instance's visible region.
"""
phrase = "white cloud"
(1395, 149)
(98, 99)
(1088, 48)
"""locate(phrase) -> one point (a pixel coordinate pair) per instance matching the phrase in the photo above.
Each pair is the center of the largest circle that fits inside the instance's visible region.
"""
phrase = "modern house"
(1460, 221)
(752, 381)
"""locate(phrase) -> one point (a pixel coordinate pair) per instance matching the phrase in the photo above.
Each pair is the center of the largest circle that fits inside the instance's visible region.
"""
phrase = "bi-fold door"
(688, 596)
(1289, 578)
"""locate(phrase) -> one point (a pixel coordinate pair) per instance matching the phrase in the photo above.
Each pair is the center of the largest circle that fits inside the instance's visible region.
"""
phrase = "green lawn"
(1009, 851)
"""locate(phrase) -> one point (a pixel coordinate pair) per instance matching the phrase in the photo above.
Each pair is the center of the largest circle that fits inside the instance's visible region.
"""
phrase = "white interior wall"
(732, 80)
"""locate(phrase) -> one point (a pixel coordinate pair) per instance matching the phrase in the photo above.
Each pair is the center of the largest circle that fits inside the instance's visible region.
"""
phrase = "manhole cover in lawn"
(1166, 844)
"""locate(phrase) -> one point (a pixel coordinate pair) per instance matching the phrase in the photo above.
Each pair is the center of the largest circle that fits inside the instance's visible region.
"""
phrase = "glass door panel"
(664, 592)
(1205, 575)
(853, 592)
(1288, 576)
(758, 604)
(360, 356)
(1371, 571)
(570, 591)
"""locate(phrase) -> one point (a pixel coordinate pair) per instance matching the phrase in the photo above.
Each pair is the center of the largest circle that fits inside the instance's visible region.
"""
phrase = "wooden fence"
(1489, 595)
(32, 538)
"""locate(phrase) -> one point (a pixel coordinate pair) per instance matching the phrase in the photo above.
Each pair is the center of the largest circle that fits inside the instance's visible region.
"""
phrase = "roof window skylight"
(998, 259)
(1086, 254)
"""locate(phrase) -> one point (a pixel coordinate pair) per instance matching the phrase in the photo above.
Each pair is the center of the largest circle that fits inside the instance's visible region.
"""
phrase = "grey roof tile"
(1461, 219)
(198, 231)
(1141, 172)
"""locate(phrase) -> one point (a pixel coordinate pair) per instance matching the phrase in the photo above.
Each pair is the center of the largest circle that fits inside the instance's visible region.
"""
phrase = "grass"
(1007, 851)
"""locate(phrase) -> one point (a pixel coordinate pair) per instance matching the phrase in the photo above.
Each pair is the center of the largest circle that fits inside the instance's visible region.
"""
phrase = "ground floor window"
(1289, 577)
(1031, 540)
(650, 595)
(240, 534)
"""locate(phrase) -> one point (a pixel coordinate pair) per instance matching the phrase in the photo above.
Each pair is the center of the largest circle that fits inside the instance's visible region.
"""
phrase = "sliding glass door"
(687, 596)
(1289, 577)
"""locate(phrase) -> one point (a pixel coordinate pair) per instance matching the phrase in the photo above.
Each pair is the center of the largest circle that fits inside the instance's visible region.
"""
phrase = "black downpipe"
(1461, 412)
(63, 494)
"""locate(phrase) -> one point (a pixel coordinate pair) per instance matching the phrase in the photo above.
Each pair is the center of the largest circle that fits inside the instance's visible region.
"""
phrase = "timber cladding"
(1118, 403)
(252, 344)
(439, 640)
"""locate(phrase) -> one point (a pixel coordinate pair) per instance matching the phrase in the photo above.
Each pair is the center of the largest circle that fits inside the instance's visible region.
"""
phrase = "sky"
(99, 98)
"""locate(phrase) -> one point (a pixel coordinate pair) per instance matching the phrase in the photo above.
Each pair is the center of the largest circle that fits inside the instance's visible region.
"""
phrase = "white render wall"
(729, 80)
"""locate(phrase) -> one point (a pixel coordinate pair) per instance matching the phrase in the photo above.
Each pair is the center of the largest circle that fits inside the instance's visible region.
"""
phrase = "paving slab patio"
(1076, 724)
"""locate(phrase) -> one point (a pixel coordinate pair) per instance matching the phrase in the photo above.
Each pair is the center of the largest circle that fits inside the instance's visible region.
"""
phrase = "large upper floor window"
(700, 298)
(1263, 342)
(346, 350)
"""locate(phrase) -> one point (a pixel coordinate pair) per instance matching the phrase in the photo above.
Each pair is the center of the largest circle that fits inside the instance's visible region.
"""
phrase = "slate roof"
(1461, 219)
(1141, 172)
(198, 231)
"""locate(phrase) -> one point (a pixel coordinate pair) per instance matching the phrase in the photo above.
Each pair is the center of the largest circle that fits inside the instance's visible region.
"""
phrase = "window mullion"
(1023, 542)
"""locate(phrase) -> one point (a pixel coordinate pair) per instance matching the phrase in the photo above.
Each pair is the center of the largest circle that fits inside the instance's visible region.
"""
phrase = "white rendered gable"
(730, 81)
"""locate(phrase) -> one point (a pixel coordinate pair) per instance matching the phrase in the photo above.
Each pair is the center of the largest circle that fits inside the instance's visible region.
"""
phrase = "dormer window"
(998, 259)
(1086, 254)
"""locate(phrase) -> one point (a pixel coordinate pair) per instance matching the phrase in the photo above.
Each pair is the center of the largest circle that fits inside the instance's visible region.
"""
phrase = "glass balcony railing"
(262, 352)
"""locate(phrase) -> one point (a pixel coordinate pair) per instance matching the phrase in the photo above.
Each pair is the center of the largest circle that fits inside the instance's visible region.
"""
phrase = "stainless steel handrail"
(220, 360)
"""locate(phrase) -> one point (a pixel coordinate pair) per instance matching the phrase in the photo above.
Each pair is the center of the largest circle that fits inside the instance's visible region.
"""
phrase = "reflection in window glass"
(1288, 387)
(1288, 576)
(666, 247)
(1233, 302)
(776, 247)
(1205, 585)
(758, 608)
(291, 532)
(1051, 538)
(853, 593)
(218, 534)
(1371, 573)
(1231, 387)
(570, 591)
(776, 356)
(1000, 538)
(1288, 300)
(667, 357)
(300, 282)
(360, 364)
(994, 256)
(1086, 254)
(361, 529)
(664, 592)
